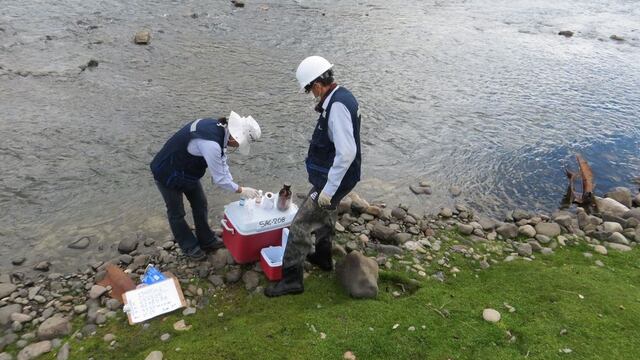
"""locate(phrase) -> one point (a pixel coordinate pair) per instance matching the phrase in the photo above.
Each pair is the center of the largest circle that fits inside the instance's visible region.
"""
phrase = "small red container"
(248, 229)
(271, 258)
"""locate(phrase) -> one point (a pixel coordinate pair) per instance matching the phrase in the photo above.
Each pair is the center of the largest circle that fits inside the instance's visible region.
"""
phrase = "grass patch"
(598, 306)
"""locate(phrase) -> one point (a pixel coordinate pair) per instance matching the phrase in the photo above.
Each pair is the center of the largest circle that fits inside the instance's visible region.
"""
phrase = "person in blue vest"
(183, 160)
(333, 168)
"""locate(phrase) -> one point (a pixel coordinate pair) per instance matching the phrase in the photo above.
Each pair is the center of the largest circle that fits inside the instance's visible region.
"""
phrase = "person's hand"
(248, 192)
(324, 200)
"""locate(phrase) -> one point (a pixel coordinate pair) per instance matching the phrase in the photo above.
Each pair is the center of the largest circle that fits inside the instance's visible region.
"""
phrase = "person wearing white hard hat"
(333, 168)
(183, 160)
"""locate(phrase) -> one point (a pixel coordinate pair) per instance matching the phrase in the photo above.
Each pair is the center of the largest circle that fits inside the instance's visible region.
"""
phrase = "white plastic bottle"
(259, 198)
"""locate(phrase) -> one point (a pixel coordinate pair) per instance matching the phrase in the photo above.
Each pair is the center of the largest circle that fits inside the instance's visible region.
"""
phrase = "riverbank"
(562, 282)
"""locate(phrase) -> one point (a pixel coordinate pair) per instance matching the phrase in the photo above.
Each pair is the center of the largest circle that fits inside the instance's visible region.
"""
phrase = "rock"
(17, 261)
(218, 260)
(34, 350)
(165, 337)
(154, 355)
(487, 224)
(600, 249)
(113, 304)
(80, 244)
(420, 189)
(491, 315)
(507, 230)
(619, 247)
(616, 37)
(525, 249)
(63, 353)
(4, 355)
(358, 275)
(125, 259)
(348, 356)
(465, 229)
(618, 238)
(636, 200)
(238, 3)
(108, 338)
(97, 291)
(401, 238)
(216, 280)
(398, 213)
(373, 210)
(188, 311)
(142, 37)
(527, 230)
(339, 227)
(632, 214)
(386, 249)
(6, 289)
(446, 212)
(610, 206)
(127, 245)
(383, 233)
(79, 309)
(6, 311)
(42, 266)
(357, 203)
(251, 280)
(233, 276)
(566, 33)
(54, 327)
(621, 195)
(548, 229)
(612, 227)
(455, 191)
(21, 318)
(543, 239)
(519, 214)
(181, 326)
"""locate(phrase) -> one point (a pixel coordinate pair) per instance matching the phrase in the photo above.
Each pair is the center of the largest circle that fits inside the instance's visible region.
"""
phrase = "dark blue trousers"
(175, 212)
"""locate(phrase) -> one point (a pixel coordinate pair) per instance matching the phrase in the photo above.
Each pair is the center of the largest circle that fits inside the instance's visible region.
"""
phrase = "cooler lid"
(251, 218)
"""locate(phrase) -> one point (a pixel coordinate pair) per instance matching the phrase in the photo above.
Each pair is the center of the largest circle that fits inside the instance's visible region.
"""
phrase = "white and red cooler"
(248, 229)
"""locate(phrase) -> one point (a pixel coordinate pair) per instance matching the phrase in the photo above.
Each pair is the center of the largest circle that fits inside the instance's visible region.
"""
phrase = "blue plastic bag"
(152, 275)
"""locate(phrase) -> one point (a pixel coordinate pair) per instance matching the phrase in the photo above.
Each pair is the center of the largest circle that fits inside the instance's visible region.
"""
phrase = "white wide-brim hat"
(244, 130)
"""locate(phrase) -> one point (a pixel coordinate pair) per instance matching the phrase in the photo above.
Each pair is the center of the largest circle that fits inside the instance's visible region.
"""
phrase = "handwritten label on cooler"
(265, 224)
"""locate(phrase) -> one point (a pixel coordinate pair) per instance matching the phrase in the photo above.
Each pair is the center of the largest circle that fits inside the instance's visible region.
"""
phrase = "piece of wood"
(118, 280)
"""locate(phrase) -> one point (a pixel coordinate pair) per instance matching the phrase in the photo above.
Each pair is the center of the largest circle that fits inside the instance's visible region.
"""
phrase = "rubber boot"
(291, 283)
(322, 257)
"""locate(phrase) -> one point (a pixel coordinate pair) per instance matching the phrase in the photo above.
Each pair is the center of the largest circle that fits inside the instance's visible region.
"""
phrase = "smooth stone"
(525, 249)
(80, 244)
(127, 245)
(216, 280)
(621, 195)
(543, 239)
(358, 275)
(600, 249)
(610, 206)
(42, 266)
(527, 230)
(398, 213)
(612, 227)
(54, 327)
(383, 233)
(63, 353)
(491, 315)
(97, 291)
(6, 289)
(34, 350)
(616, 246)
(165, 337)
(233, 276)
(519, 214)
(566, 33)
(599, 263)
(154, 355)
(181, 326)
(446, 212)
(108, 338)
(142, 37)
(465, 229)
(618, 238)
(21, 318)
(507, 230)
(548, 229)
(17, 261)
(455, 191)
(113, 304)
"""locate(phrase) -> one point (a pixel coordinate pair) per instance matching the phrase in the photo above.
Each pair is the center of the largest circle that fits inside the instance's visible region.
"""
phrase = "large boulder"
(358, 275)
(550, 229)
(54, 327)
(507, 230)
(621, 195)
(612, 227)
(610, 206)
(527, 230)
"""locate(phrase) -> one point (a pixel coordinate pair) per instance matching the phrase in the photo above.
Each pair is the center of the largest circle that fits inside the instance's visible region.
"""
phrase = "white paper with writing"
(152, 300)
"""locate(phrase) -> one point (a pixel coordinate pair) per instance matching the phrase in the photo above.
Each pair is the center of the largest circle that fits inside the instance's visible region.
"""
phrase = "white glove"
(249, 193)
(324, 200)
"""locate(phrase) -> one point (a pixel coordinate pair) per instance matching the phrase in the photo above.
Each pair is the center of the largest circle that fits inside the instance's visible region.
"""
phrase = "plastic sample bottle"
(259, 198)
(284, 197)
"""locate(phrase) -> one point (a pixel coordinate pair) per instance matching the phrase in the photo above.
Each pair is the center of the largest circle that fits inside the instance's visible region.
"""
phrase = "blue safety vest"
(174, 167)
(322, 150)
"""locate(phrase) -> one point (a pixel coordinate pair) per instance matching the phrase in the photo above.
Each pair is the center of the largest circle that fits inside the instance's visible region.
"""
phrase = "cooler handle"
(223, 222)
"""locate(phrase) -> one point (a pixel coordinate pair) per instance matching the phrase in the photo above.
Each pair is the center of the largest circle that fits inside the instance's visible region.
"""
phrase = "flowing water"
(482, 94)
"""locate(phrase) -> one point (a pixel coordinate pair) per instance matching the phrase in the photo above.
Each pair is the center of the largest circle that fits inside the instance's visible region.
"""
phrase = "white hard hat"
(310, 68)
(244, 130)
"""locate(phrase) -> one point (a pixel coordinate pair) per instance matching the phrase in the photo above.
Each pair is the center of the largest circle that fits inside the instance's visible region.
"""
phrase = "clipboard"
(149, 301)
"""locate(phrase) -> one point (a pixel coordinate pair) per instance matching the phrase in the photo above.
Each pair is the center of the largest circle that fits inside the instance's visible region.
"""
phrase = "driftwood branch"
(586, 198)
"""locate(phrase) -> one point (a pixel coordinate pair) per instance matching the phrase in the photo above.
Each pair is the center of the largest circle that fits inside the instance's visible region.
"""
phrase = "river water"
(481, 94)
